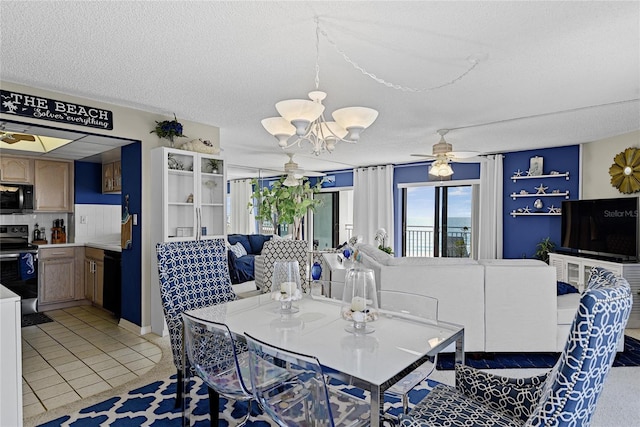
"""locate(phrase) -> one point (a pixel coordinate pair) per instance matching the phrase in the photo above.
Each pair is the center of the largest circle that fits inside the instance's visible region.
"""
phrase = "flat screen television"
(602, 227)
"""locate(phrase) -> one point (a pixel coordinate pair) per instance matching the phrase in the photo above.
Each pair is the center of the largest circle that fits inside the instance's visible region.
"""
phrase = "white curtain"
(490, 216)
(242, 218)
(373, 202)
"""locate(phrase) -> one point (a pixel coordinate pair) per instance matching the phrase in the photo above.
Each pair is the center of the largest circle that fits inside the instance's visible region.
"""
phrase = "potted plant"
(285, 205)
(544, 247)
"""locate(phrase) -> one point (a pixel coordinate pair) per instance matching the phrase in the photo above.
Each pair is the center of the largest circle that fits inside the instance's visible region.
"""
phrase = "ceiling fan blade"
(463, 154)
(12, 138)
(430, 156)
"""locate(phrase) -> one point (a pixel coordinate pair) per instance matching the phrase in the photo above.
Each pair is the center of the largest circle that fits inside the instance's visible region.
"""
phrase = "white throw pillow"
(375, 253)
(238, 250)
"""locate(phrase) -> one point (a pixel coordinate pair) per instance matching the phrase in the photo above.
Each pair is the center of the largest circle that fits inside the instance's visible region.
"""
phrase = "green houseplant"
(285, 205)
(543, 248)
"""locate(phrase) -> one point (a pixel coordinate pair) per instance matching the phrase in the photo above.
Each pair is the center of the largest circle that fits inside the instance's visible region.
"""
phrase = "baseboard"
(132, 327)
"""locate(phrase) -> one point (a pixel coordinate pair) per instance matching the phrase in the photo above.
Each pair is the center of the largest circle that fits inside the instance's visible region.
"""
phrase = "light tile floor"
(81, 353)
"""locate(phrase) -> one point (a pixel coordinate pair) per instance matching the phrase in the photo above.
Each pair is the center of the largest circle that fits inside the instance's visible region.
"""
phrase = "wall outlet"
(83, 219)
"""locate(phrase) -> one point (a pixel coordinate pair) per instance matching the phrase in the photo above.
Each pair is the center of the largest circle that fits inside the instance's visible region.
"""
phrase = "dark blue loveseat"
(241, 269)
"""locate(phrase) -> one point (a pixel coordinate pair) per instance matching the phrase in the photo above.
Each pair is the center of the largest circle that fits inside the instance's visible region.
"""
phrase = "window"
(333, 219)
(437, 221)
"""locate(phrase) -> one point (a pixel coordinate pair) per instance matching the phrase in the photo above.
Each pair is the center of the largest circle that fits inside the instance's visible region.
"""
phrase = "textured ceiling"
(550, 73)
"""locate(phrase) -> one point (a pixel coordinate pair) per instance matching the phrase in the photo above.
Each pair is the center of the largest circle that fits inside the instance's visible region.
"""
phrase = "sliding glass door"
(333, 218)
(437, 221)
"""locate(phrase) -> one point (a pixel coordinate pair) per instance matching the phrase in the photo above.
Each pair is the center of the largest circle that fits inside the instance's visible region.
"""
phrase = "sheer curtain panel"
(242, 218)
(373, 202)
(490, 229)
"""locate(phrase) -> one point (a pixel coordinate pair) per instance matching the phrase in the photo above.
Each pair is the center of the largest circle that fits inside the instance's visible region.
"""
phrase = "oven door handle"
(16, 255)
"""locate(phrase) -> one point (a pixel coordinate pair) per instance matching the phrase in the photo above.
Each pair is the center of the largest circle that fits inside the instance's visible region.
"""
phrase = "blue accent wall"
(521, 234)
(88, 185)
(132, 258)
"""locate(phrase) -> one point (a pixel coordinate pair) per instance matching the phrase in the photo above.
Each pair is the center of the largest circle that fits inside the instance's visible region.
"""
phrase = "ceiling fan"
(443, 153)
(295, 173)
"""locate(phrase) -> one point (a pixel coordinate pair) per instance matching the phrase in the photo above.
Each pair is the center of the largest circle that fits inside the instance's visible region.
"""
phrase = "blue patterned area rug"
(153, 406)
(629, 357)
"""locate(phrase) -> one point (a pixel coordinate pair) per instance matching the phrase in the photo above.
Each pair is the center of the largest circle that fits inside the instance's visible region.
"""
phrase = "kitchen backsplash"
(89, 223)
(96, 221)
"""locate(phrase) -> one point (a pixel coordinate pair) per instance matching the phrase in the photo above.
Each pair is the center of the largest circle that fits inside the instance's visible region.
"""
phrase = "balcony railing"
(420, 242)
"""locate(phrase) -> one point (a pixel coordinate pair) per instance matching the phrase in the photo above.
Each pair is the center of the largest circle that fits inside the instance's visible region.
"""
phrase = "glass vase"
(285, 285)
(360, 300)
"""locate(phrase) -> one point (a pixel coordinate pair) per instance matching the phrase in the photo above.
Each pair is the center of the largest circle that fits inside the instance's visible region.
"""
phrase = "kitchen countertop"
(107, 246)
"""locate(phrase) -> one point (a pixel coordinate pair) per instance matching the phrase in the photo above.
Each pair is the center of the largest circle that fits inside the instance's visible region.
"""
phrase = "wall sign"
(36, 107)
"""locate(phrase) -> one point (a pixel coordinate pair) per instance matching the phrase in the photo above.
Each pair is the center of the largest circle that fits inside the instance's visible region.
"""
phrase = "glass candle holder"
(285, 285)
(360, 300)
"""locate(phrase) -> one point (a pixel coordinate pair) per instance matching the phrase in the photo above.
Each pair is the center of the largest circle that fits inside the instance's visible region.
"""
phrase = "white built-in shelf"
(559, 175)
(564, 194)
(515, 214)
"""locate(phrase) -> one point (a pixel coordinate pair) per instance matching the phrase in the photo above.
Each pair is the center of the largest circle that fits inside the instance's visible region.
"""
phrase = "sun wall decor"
(625, 171)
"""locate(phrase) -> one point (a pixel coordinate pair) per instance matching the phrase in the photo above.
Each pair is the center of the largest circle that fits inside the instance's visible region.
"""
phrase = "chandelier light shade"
(355, 120)
(279, 127)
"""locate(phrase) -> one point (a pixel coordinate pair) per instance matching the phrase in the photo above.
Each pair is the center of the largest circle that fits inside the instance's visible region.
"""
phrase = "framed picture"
(535, 166)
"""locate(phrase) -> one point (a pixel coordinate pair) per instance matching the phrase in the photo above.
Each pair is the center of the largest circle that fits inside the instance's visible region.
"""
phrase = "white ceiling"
(550, 74)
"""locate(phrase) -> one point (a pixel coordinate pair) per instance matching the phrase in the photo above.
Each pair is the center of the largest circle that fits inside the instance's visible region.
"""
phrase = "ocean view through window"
(437, 221)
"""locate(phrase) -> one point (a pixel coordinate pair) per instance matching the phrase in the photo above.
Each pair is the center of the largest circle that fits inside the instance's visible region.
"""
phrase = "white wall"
(131, 124)
(97, 223)
(597, 157)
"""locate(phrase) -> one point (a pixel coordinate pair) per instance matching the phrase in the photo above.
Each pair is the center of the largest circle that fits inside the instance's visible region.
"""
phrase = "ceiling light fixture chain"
(474, 63)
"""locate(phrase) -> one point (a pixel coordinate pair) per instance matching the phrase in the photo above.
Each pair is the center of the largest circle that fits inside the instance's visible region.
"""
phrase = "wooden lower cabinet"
(56, 275)
(93, 275)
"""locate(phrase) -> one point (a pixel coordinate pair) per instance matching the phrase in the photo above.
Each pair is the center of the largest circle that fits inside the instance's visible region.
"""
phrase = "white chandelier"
(302, 121)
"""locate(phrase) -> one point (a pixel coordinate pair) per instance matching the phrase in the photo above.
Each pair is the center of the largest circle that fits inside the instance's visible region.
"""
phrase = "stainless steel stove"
(19, 265)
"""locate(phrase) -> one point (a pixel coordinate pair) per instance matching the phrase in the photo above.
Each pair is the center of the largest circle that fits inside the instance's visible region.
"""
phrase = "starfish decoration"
(518, 173)
(541, 189)
(526, 210)
(528, 173)
(553, 209)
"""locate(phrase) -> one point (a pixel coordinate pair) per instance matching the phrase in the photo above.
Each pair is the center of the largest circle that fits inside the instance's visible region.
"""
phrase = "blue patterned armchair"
(193, 274)
(565, 396)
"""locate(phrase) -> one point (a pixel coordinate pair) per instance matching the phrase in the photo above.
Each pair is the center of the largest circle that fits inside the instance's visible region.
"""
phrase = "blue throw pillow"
(565, 288)
(257, 242)
(242, 238)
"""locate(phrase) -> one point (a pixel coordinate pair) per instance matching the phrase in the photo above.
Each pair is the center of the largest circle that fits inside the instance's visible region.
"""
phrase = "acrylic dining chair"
(423, 309)
(304, 399)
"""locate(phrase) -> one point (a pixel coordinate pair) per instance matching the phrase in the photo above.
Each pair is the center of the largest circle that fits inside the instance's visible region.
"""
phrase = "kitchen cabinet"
(53, 186)
(112, 177)
(94, 275)
(189, 198)
(16, 169)
(576, 271)
(56, 275)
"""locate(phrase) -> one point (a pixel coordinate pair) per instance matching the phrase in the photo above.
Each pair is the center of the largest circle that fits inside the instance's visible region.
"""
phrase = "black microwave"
(16, 198)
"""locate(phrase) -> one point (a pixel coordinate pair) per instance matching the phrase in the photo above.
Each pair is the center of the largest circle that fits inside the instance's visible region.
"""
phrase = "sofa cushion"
(245, 268)
(375, 253)
(567, 307)
(565, 288)
(257, 242)
(238, 249)
(242, 238)
(430, 261)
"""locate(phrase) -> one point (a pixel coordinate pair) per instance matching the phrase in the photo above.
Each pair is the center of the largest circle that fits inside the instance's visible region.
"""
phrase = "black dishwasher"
(112, 282)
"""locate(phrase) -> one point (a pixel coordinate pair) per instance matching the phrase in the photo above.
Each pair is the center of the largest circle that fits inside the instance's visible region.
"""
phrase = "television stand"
(575, 270)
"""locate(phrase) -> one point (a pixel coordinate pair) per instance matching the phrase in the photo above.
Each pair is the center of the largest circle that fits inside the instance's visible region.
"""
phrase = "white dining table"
(373, 362)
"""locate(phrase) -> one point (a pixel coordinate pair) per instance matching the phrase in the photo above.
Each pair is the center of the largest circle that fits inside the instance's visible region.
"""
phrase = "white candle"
(358, 304)
(288, 287)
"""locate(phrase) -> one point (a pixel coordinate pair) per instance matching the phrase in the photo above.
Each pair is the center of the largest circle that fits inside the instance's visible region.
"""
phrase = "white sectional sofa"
(504, 305)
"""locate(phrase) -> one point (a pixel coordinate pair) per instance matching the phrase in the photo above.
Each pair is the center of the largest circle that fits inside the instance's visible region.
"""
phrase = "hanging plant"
(625, 171)
(169, 129)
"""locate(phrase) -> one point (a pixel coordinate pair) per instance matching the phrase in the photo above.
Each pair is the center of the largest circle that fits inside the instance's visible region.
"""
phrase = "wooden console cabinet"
(576, 271)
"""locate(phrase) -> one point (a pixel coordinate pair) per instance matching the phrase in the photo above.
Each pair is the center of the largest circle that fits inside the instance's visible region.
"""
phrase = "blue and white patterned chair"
(280, 250)
(565, 396)
(193, 274)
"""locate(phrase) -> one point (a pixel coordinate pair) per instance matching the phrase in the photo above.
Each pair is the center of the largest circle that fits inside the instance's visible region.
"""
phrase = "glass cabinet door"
(211, 198)
(573, 274)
